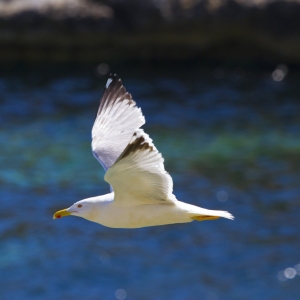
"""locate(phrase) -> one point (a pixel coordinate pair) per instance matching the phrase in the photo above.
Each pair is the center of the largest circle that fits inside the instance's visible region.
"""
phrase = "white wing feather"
(116, 121)
(139, 175)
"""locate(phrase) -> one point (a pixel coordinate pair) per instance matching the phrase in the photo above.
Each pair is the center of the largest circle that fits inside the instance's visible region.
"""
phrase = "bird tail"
(207, 214)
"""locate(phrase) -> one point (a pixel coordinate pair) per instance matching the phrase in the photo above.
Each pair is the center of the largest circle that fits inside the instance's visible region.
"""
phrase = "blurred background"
(218, 82)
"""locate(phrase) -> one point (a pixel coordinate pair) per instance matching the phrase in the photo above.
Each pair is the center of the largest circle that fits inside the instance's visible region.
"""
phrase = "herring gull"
(141, 190)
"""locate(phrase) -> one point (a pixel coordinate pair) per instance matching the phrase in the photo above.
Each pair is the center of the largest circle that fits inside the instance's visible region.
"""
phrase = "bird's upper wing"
(116, 121)
(139, 175)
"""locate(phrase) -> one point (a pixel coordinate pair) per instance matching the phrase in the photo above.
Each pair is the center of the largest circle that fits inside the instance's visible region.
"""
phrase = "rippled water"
(231, 141)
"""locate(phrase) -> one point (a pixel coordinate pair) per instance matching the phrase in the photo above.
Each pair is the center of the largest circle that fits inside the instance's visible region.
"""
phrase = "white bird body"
(126, 215)
(142, 191)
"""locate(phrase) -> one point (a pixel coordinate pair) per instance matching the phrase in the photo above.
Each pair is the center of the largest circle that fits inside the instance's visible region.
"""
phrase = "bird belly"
(143, 215)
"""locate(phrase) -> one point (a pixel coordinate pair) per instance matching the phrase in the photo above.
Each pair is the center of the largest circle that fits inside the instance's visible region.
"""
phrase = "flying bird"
(141, 190)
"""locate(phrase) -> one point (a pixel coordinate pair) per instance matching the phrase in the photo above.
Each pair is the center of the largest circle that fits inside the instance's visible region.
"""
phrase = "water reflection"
(222, 196)
(230, 141)
(289, 273)
(279, 73)
(120, 294)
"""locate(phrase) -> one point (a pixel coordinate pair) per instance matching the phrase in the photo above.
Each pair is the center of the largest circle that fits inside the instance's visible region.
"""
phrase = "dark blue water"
(231, 141)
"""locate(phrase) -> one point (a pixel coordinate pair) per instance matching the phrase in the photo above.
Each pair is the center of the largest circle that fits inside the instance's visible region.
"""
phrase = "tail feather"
(201, 214)
(224, 214)
(207, 214)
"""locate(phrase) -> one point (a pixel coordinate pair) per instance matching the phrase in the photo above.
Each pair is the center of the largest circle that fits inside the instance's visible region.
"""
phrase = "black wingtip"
(114, 90)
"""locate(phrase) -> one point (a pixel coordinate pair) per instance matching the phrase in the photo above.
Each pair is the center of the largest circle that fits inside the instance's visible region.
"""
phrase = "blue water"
(231, 141)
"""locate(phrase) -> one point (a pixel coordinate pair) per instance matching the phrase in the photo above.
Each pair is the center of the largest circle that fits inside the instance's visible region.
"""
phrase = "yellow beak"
(61, 213)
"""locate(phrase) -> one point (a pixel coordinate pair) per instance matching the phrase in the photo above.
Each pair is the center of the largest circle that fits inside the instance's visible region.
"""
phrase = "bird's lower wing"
(139, 175)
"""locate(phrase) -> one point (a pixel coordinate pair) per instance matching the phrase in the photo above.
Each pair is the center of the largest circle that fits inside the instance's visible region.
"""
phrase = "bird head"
(79, 209)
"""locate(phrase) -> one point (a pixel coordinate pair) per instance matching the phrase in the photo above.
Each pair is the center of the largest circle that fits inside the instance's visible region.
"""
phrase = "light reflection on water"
(231, 142)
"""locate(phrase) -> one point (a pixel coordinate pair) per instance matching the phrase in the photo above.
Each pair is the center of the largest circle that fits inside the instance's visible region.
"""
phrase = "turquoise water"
(231, 141)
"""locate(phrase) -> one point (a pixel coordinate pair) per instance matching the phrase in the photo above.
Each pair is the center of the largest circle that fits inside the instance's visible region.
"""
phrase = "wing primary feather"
(117, 119)
(113, 92)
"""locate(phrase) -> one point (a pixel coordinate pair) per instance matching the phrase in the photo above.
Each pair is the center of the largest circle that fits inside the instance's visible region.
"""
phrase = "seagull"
(141, 189)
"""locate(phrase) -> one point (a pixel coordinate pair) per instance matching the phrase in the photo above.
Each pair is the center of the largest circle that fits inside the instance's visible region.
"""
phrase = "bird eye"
(79, 205)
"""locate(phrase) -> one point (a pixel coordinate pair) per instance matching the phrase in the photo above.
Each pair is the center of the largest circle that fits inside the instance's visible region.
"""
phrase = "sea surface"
(231, 141)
